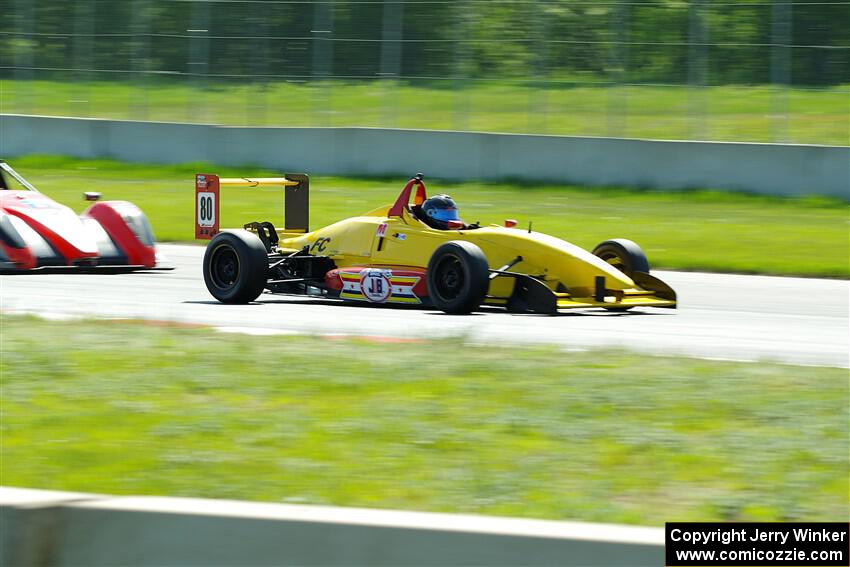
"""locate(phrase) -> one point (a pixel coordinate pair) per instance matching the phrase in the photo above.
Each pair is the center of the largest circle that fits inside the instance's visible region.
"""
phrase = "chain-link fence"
(700, 69)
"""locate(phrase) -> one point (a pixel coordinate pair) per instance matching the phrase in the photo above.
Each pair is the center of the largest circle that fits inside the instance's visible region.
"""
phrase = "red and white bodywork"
(37, 232)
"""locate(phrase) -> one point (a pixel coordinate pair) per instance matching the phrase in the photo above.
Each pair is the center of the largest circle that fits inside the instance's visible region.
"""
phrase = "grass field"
(694, 230)
(140, 408)
(734, 113)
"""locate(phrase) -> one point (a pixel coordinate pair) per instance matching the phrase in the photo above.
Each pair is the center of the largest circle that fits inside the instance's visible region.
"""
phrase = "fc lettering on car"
(320, 245)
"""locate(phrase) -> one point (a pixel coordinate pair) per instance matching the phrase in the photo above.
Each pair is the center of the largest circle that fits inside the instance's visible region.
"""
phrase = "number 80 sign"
(206, 206)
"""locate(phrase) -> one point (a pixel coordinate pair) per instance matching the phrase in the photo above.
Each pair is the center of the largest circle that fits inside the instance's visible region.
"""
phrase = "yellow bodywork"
(568, 271)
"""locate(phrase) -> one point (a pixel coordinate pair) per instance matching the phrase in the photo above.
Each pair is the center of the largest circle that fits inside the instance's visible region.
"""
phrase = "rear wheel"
(624, 255)
(235, 267)
(458, 277)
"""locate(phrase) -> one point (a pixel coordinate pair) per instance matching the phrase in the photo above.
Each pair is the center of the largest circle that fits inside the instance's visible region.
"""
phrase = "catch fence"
(767, 70)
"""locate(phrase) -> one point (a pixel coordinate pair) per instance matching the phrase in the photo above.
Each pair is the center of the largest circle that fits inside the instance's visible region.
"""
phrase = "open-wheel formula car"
(415, 251)
(37, 233)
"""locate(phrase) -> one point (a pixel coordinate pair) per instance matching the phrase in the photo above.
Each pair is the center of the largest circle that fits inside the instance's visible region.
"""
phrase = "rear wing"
(296, 200)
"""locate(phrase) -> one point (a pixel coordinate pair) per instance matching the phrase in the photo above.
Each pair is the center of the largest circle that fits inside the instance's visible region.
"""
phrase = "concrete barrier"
(43, 528)
(772, 169)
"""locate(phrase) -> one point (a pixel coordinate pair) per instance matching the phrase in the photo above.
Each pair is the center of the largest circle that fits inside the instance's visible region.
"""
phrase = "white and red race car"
(37, 233)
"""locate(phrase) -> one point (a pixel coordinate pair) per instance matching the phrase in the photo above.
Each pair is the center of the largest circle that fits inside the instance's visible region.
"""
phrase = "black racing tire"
(236, 267)
(458, 277)
(624, 255)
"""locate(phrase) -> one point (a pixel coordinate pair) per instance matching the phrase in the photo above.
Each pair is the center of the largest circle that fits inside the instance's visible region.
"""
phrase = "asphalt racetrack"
(796, 320)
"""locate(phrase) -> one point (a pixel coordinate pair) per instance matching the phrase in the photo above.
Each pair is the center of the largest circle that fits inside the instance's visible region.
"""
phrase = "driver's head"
(441, 209)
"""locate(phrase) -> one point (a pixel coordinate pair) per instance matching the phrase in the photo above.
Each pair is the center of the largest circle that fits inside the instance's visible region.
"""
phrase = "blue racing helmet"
(441, 209)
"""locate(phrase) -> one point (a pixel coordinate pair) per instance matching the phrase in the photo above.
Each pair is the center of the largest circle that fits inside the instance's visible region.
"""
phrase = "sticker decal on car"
(319, 245)
(375, 285)
(206, 209)
(378, 286)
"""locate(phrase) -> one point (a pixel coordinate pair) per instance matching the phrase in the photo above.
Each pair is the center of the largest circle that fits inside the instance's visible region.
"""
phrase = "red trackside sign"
(206, 206)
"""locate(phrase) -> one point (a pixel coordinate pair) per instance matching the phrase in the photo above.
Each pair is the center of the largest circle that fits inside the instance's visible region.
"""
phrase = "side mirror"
(91, 196)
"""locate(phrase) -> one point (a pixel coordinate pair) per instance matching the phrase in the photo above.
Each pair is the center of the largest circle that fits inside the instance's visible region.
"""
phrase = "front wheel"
(458, 277)
(624, 255)
(236, 267)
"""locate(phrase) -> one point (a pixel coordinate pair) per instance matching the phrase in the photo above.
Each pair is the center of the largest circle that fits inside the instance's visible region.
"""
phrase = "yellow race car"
(416, 251)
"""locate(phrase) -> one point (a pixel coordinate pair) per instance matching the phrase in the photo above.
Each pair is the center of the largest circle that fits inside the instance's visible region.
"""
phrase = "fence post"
(83, 27)
(140, 64)
(780, 68)
(24, 58)
(322, 41)
(697, 69)
(460, 68)
(618, 55)
(538, 110)
(391, 47)
(257, 102)
(198, 65)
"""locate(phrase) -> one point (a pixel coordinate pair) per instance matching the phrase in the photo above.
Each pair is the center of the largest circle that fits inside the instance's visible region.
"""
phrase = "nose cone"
(56, 223)
(571, 265)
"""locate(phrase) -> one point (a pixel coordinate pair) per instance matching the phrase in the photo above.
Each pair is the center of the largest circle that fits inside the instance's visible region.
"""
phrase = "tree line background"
(709, 42)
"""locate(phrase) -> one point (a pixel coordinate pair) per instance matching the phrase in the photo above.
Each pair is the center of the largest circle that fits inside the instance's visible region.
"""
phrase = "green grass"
(734, 113)
(692, 230)
(141, 408)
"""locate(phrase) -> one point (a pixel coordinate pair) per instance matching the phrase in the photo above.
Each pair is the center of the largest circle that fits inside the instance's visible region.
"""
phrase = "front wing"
(533, 295)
